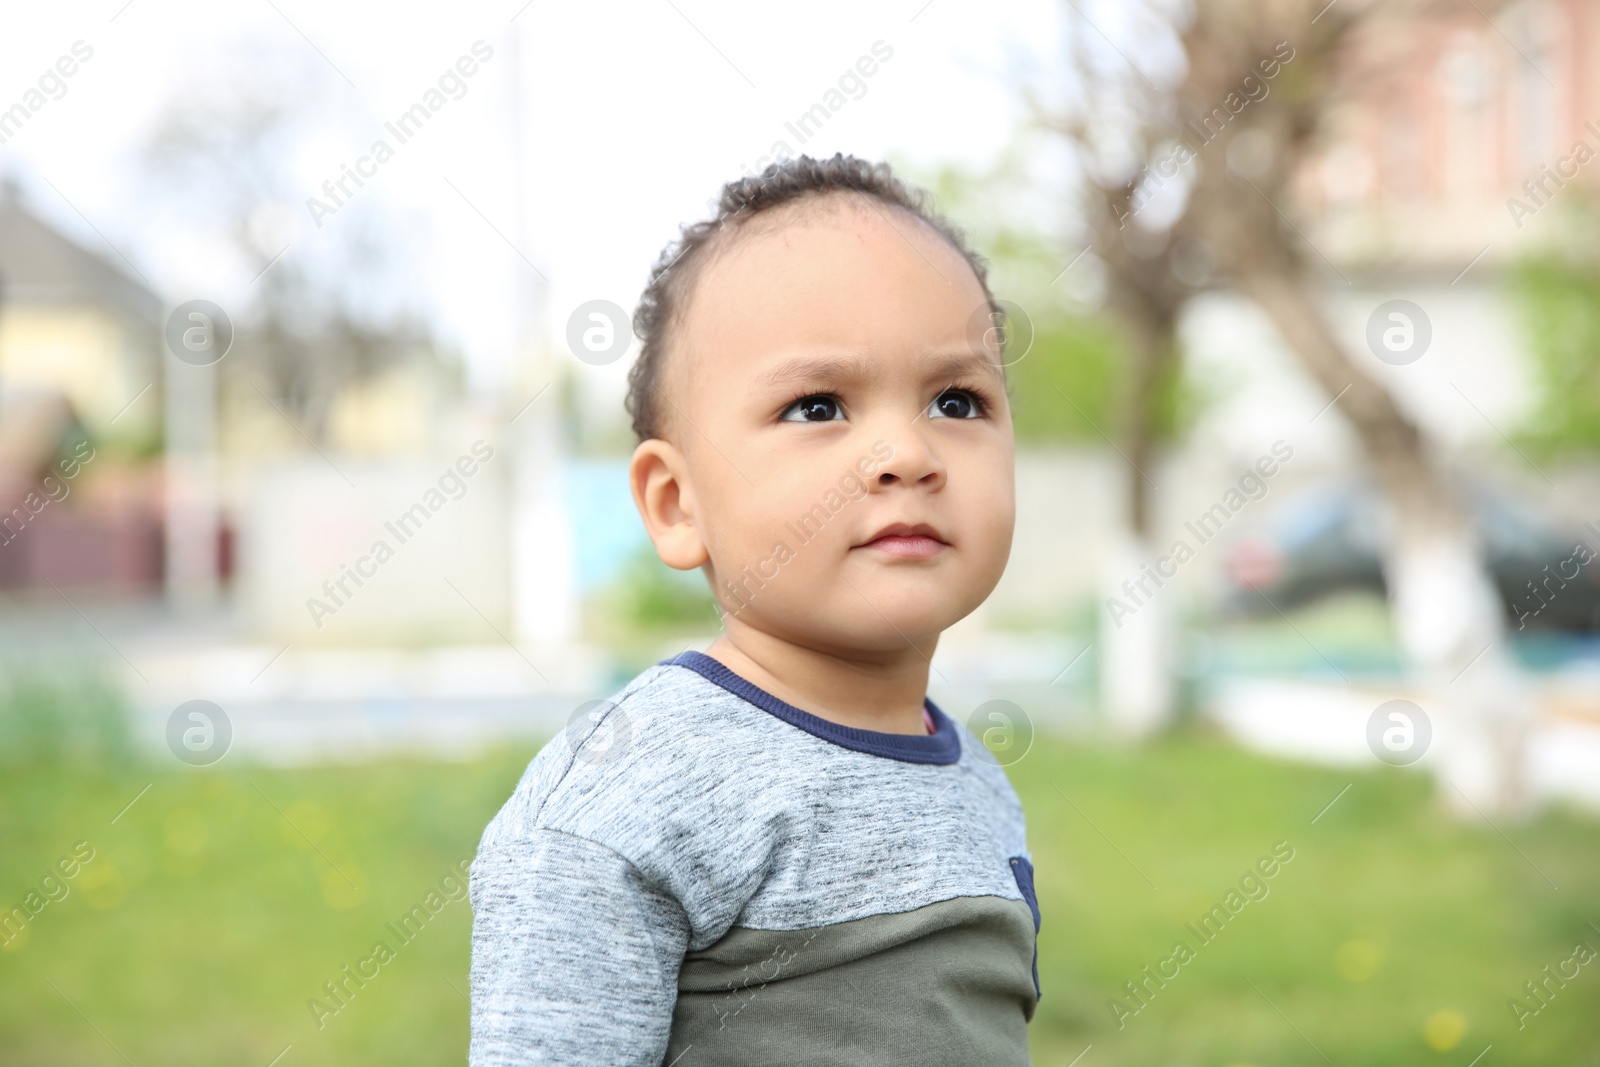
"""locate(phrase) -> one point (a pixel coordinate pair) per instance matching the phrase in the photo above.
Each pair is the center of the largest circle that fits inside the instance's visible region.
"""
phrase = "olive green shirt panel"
(948, 983)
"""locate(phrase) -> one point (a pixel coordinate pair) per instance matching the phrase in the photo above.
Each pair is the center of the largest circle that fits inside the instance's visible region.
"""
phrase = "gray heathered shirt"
(706, 874)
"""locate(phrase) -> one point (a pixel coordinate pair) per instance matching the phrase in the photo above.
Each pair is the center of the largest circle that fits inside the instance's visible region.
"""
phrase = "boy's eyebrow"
(816, 368)
(960, 362)
(948, 364)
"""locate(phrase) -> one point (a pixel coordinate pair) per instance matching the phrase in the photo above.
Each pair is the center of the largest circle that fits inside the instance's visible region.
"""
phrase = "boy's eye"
(955, 404)
(819, 408)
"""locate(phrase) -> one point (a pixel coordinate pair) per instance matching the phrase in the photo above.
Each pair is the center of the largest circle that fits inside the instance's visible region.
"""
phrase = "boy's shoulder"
(657, 738)
(684, 740)
(706, 789)
(667, 774)
(670, 747)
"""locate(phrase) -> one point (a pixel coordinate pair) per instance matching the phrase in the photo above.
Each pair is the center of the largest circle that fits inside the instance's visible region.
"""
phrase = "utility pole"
(191, 482)
(543, 575)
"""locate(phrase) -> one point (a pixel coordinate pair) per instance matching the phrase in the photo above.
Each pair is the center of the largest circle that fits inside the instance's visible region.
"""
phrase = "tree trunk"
(1441, 595)
(1445, 606)
(1138, 651)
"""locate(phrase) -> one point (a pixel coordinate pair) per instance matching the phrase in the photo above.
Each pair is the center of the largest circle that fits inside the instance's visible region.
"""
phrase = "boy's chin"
(887, 621)
(906, 603)
(888, 631)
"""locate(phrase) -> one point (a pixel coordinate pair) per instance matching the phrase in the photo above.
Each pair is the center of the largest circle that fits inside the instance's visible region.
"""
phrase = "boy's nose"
(913, 461)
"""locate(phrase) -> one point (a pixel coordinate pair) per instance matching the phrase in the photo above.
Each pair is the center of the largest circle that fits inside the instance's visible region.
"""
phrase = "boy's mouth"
(905, 541)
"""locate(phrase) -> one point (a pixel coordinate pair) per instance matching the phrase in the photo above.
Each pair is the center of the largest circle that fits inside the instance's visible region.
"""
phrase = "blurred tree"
(62, 713)
(1157, 198)
(1150, 270)
(647, 596)
(1559, 297)
(1073, 384)
(1111, 376)
(1079, 357)
(318, 320)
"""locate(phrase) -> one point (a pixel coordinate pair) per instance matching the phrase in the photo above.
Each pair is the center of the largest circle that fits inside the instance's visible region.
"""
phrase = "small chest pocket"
(1023, 871)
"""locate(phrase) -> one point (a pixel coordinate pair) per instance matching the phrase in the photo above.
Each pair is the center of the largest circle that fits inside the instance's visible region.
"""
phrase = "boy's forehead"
(804, 367)
(852, 278)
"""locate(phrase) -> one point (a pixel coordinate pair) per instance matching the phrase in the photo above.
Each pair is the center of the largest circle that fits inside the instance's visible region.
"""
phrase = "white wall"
(302, 524)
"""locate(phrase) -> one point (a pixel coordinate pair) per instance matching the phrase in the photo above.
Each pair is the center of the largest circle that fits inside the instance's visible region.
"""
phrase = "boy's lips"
(907, 541)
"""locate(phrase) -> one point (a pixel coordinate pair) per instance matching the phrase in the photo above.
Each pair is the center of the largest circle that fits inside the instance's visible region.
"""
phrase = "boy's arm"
(575, 957)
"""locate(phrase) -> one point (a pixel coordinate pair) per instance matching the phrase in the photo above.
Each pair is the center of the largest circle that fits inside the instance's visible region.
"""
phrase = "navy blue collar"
(943, 746)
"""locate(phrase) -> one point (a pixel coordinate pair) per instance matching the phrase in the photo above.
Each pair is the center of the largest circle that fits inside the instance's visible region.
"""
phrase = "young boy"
(778, 851)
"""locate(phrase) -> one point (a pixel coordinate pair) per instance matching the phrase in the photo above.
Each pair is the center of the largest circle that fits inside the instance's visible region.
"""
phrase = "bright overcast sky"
(633, 116)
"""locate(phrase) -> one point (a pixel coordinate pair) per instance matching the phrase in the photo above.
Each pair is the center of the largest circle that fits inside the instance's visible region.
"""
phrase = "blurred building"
(101, 433)
(1458, 134)
(373, 503)
(78, 364)
(77, 322)
(1459, 146)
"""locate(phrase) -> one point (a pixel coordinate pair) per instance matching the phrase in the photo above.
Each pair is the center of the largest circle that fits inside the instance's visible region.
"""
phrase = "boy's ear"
(659, 478)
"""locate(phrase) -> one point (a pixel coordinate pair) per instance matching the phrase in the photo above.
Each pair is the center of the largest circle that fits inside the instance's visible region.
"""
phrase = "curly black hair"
(786, 181)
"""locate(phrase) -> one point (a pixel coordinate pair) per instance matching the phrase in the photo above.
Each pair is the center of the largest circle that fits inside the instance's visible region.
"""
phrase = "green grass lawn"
(217, 905)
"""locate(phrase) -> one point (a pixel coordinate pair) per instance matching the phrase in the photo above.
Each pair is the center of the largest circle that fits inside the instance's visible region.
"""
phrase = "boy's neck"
(881, 691)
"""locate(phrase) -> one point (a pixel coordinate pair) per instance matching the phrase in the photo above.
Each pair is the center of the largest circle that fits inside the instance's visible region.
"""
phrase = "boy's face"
(822, 386)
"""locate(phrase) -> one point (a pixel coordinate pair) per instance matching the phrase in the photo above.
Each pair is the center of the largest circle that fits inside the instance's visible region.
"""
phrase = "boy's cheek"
(993, 489)
(996, 519)
(997, 552)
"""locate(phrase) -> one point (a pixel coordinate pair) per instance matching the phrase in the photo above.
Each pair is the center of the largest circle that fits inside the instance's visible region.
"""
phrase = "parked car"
(1329, 539)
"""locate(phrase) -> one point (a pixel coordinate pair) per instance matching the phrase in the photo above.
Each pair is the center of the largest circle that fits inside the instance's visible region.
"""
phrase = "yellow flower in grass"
(102, 884)
(343, 888)
(1444, 1030)
(1357, 960)
(305, 825)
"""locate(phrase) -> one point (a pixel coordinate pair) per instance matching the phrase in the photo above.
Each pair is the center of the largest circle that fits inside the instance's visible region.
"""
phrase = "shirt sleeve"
(575, 956)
